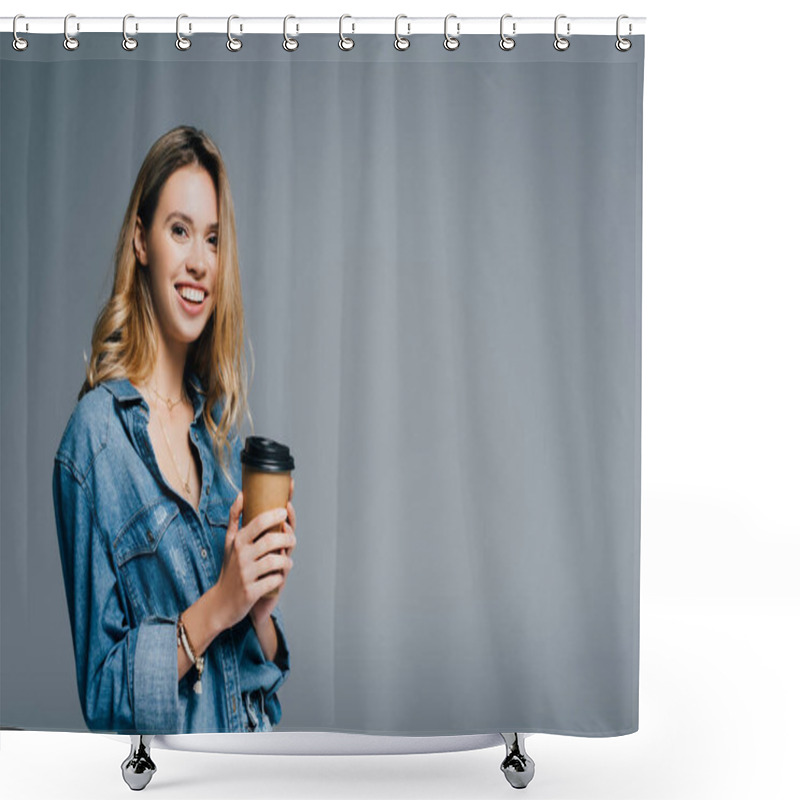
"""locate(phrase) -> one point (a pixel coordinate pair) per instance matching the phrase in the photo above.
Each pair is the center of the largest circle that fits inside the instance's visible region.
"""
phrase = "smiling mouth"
(192, 296)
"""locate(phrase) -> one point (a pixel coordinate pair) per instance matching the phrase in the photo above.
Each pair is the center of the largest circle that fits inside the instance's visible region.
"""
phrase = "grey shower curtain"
(440, 258)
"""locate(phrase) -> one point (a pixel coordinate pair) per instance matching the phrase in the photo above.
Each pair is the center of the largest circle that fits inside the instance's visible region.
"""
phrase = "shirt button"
(208, 489)
(203, 552)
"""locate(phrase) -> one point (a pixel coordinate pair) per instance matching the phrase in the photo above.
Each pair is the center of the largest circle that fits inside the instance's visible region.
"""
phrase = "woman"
(171, 627)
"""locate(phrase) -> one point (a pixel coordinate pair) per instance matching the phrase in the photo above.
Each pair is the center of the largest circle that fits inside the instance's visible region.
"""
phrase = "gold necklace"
(170, 404)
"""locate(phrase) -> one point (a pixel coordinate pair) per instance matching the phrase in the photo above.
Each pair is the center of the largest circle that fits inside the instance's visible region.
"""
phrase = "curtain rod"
(456, 26)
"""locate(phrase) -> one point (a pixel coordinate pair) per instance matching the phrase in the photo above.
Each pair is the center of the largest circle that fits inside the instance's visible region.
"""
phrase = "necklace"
(170, 404)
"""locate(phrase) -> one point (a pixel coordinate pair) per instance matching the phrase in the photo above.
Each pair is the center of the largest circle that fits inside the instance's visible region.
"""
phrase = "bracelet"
(198, 661)
(183, 639)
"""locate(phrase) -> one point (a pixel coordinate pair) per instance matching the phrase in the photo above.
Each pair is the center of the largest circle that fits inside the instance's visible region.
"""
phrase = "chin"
(186, 335)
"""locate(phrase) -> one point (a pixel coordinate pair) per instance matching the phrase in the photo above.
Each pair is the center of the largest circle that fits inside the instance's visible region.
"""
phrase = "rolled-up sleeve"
(281, 659)
(127, 677)
(278, 670)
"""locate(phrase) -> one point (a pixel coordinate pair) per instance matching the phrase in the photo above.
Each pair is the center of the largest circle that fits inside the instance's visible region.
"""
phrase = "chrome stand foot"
(517, 766)
(138, 767)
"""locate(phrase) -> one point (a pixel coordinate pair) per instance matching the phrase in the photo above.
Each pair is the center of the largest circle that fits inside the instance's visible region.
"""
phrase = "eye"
(213, 240)
(178, 228)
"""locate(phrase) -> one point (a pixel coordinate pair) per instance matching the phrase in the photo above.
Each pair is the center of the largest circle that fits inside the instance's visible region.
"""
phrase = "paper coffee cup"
(266, 479)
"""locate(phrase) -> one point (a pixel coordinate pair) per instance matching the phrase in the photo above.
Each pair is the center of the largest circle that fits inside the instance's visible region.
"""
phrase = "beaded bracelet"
(198, 661)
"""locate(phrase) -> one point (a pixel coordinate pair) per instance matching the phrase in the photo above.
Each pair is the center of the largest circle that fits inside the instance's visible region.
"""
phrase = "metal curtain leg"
(138, 767)
(517, 766)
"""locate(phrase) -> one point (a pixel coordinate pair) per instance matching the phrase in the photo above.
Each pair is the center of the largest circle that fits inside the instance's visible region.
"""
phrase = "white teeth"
(194, 295)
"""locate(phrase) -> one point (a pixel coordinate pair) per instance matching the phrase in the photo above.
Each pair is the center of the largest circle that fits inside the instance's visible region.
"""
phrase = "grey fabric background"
(441, 263)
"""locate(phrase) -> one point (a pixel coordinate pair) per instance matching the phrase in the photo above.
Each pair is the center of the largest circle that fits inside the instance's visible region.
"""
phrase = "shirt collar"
(126, 392)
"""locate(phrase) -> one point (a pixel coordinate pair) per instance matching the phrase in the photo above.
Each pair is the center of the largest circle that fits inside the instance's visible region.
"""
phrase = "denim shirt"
(134, 554)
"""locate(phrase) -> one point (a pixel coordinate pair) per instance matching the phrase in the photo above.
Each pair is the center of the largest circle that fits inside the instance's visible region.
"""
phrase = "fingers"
(273, 582)
(273, 542)
(274, 562)
(262, 522)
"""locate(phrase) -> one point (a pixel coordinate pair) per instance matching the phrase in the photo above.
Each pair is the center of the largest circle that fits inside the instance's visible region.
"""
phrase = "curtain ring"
(233, 44)
(507, 42)
(451, 42)
(561, 43)
(344, 42)
(289, 42)
(70, 42)
(182, 43)
(623, 45)
(19, 43)
(399, 42)
(128, 42)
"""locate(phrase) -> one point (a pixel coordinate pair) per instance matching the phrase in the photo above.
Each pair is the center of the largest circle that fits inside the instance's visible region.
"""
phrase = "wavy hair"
(124, 342)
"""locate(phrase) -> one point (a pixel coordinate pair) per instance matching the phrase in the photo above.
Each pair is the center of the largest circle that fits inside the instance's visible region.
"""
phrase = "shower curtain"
(440, 265)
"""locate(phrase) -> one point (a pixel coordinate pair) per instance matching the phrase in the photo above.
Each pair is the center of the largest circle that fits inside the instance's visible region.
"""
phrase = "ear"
(139, 242)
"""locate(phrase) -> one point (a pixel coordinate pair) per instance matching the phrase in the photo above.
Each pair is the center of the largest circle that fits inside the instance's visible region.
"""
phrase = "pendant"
(198, 687)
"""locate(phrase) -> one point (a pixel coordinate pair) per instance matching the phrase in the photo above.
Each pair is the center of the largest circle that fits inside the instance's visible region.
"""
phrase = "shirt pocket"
(218, 518)
(218, 514)
(151, 559)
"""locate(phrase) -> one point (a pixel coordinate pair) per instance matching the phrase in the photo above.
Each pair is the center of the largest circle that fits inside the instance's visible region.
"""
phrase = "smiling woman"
(147, 503)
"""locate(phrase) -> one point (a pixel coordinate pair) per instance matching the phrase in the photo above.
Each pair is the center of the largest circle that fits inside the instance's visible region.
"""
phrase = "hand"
(263, 607)
(243, 578)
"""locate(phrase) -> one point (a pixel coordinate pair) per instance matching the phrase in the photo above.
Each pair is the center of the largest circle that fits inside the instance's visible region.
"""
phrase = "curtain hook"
(128, 42)
(561, 43)
(70, 42)
(399, 42)
(344, 42)
(451, 42)
(19, 43)
(182, 43)
(290, 43)
(507, 42)
(623, 45)
(233, 44)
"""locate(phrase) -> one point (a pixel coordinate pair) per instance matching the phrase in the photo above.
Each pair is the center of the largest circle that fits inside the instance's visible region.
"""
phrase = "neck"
(167, 374)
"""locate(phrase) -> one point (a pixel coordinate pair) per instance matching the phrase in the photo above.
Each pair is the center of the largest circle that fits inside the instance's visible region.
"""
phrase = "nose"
(197, 260)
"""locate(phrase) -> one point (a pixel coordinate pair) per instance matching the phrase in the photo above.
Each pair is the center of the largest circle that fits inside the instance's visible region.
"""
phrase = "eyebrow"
(214, 226)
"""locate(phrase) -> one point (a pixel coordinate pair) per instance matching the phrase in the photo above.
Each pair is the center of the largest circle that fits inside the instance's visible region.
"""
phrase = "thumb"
(233, 523)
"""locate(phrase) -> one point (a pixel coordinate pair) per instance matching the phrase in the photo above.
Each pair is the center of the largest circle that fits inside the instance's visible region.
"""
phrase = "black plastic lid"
(266, 455)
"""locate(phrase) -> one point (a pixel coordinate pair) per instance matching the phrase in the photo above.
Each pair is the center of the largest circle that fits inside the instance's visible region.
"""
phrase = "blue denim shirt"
(135, 554)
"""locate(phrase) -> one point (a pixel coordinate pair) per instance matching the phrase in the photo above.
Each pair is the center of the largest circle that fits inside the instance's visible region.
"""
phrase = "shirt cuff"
(281, 659)
(155, 676)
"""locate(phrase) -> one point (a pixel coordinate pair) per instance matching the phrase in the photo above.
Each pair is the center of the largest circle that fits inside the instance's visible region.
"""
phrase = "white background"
(719, 693)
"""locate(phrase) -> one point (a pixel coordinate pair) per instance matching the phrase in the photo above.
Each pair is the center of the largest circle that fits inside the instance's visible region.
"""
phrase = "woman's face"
(180, 251)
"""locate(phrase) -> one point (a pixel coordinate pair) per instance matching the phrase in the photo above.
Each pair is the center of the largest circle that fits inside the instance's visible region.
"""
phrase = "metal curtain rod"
(455, 25)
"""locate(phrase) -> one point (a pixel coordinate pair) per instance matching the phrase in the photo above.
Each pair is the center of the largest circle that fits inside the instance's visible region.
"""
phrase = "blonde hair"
(124, 342)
